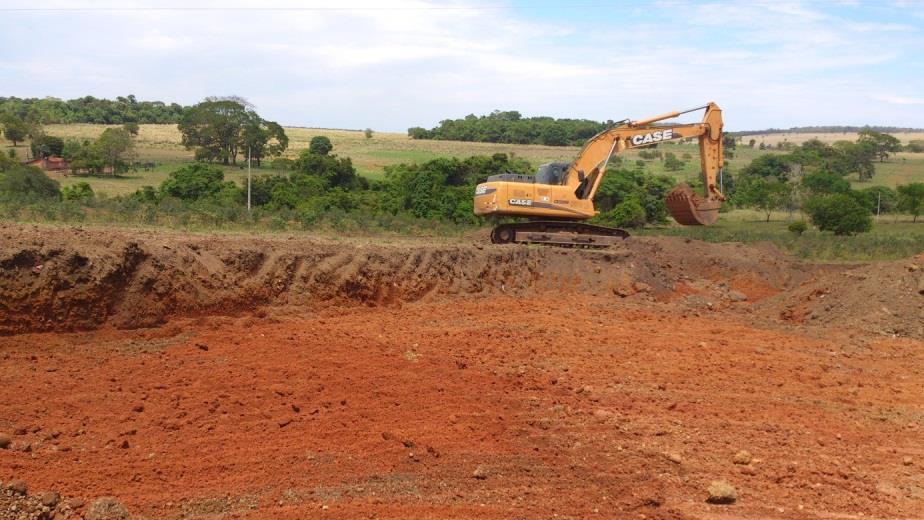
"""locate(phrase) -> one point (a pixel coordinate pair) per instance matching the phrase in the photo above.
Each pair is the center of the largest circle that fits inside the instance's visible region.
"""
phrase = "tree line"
(89, 109)
(811, 178)
(511, 127)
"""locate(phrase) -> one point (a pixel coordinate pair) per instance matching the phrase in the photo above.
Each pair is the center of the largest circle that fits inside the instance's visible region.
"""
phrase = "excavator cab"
(552, 173)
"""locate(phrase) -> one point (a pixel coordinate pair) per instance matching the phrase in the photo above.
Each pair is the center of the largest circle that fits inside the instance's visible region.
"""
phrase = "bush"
(797, 227)
(27, 184)
(841, 213)
(628, 213)
(80, 192)
(194, 182)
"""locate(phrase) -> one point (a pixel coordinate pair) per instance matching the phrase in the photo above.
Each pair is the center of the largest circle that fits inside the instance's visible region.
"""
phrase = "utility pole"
(248, 178)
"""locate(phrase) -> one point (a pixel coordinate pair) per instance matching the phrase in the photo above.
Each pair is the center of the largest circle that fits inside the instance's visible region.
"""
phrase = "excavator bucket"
(690, 209)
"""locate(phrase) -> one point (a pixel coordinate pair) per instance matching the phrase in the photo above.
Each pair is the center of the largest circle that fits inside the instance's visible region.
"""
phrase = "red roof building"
(50, 164)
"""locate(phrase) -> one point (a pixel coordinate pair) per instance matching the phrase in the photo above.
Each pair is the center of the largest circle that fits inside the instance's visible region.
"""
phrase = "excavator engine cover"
(689, 209)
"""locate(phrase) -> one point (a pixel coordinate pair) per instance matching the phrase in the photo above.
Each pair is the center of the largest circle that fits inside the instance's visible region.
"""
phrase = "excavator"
(559, 197)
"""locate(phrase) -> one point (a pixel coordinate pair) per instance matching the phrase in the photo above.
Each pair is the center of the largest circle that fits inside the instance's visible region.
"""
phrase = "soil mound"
(882, 298)
(76, 279)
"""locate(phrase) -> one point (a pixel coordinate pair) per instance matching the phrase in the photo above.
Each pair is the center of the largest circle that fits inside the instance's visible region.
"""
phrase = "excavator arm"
(587, 171)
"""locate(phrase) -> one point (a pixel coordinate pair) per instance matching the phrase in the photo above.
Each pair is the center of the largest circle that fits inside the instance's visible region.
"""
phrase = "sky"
(393, 64)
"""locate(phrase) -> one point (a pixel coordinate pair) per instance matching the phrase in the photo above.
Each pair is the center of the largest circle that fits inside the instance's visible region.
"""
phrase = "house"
(50, 164)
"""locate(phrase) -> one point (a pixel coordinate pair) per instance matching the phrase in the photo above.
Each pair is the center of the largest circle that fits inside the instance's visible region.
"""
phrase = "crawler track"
(559, 233)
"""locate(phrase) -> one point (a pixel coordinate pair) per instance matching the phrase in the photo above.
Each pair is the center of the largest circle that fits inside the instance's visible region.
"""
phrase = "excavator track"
(558, 233)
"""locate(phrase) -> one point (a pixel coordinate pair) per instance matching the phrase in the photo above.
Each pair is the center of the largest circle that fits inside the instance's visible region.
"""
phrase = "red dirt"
(300, 378)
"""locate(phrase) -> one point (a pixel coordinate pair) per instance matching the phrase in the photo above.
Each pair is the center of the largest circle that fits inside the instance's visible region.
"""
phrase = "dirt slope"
(73, 279)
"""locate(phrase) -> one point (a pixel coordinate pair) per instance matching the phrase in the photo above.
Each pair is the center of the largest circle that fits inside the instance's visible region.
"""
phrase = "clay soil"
(291, 377)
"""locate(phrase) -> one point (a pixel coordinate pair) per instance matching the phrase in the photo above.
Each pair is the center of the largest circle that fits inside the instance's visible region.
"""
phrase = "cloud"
(415, 62)
(901, 100)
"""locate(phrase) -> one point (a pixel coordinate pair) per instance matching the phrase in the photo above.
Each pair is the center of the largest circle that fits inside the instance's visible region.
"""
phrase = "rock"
(721, 492)
(49, 499)
(906, 461)
(737, 296)
(106, 508)
(674, 457)
(138, 408)
(18, 487)
(742, 457)
(75, 503)
(602, 414)
(5, 441)
(480, 473)
(641, 287)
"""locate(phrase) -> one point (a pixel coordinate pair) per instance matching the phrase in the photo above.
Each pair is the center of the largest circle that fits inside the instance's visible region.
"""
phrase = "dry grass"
(772, 139)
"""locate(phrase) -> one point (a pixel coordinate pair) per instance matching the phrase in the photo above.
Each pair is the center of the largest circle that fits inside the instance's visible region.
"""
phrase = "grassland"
(892, 237)
(161, 144)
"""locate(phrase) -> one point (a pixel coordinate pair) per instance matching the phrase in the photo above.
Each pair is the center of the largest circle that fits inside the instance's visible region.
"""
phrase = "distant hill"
(826, 130)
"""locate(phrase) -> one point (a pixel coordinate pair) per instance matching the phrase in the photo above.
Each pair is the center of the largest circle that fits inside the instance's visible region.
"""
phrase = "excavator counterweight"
(560, 195)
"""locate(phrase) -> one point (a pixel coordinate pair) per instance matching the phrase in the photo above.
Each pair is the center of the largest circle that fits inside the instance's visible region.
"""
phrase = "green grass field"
(161, 144)
(891, 237)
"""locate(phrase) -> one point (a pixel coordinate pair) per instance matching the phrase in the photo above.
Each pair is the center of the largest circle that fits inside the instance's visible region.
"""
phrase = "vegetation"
(911, 199)
(840, 213)
(512, 127)
(89, 109)
(222, 128)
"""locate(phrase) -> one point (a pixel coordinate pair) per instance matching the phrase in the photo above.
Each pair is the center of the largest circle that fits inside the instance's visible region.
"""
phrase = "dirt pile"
(884, 298)
(73, 279)
(17, 503)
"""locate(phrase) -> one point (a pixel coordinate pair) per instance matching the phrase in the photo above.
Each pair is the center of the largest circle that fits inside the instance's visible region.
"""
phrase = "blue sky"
(389, 65)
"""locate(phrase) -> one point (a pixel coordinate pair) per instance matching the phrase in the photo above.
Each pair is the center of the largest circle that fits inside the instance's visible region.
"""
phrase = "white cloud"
(414, 62)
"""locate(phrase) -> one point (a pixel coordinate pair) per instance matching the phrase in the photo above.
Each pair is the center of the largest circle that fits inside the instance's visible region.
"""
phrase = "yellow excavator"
(560, 195)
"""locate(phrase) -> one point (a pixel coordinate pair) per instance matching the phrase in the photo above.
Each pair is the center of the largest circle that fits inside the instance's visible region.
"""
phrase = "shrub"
(628, 213)
(27, 184)
(194, 182)
(797, 227)
(840, 213)
(80, 192)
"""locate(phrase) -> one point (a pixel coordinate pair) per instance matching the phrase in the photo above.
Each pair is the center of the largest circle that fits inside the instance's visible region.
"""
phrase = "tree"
(824, 183)
(883, 144)
(14, 129)
(751, 143)
(220, 129)
(911, 198)
(320, 145)
(131, 127)
(729, 143)
(881, 199)
(417, 132)
(46, 145)
(262, 138)
(841, 213)
(368, 133)
(915, 146)
(768, 166)
(672, 163)
(115, 145)
(766, 195)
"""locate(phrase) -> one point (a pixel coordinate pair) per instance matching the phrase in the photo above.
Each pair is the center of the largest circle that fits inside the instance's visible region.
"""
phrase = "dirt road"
(224, 377)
